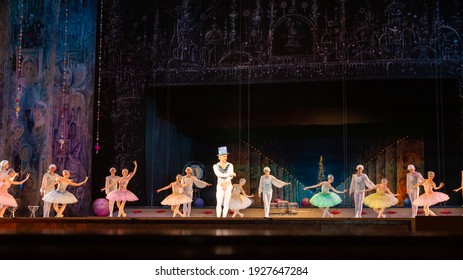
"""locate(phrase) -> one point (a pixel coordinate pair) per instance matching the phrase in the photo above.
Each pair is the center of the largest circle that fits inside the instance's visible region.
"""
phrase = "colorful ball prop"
(198, 202)
(407, 202)
(305, 202)
(101, 207)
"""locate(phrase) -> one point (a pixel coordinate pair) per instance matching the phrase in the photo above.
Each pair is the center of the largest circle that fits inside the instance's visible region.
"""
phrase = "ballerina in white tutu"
(239, 199)
(382, 199)
(325, 198)
(7, 199)
(177, 197)
(429, 197)
(61, 195)
(122, 194)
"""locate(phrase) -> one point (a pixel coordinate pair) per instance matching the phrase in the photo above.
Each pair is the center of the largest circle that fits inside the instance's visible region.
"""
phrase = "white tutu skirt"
(428, 199)
(122, 195)
(8, 199)
(380, 200)
(60, 197)
(176, 199)
(239, 202)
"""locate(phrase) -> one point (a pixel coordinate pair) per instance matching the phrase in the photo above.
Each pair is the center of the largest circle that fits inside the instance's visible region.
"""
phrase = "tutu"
(176, 199)
(325, 199)
(122, 195)
(239, 202)
(7, 199)
(428, 199)
(60, 197)
(380, 200)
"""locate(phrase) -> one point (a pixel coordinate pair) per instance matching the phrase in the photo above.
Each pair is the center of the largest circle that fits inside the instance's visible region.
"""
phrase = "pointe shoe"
(241, 215)
(119, 214)
(383, 216)
(124, 215)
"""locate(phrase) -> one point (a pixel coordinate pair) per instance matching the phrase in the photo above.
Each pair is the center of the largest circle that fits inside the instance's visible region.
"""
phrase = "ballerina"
(429, 197)
(382, 199)
(460, 188)
(7, 199)
(239, 199)
(188, 180)
(325, 198)
(177, 197)
(61, 195)
(111, 182)
(122, 194)
(266, 191)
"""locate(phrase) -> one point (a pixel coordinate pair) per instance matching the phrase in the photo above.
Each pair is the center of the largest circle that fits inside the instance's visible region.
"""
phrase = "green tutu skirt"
(325, 199)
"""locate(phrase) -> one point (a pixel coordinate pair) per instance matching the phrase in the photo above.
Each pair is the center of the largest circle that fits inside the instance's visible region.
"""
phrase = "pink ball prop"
(305, 202)
(101, 207)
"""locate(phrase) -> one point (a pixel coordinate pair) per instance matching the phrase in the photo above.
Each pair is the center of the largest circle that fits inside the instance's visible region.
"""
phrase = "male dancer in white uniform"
(111, 184)
(224, 172)
(48, 185)
(357, 188)
(413, 178)
(266, 191)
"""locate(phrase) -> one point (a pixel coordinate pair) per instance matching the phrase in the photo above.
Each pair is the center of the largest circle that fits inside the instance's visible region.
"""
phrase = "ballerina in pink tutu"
(61, 195)
(380, 200)
(7, 199)
(429, 197)
(122, 194)
(177, 197)
(239, 199)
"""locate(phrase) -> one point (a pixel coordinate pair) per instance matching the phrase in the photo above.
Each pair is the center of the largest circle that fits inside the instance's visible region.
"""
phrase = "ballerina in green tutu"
(382, 199)
(325, 198)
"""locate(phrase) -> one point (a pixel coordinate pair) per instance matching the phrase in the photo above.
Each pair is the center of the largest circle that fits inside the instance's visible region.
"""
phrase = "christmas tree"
(321, 170)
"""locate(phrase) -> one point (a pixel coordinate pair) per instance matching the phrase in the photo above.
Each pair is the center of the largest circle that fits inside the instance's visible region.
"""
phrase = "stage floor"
(152, 233)
(302, 213)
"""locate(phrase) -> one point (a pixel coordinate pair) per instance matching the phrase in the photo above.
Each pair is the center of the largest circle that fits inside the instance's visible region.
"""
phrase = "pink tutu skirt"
(428, 199)
(8, 199)
(380, 200)
(122, 195)
(239, 202)
(176, 199)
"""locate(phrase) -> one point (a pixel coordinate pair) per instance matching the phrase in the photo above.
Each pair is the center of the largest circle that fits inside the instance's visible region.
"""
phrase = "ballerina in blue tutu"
(326, 198)
(61, 195)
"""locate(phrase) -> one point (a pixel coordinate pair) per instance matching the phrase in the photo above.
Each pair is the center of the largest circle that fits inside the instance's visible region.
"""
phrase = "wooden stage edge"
(244, 238)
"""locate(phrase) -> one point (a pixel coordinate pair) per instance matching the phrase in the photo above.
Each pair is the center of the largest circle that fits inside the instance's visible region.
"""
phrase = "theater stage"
(150, 233)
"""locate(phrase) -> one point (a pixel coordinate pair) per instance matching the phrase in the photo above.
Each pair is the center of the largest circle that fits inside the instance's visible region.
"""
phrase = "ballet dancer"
(177, 197)
(7, 199)
(239, 199)
(429, 197)
(188, 180)
(266, 191)
(413, 177)
(357, 186)
(122, 194)
(61, 195)
(325, 198)
(48, 185)
(224, 172)
(111, 185)
(382, 199)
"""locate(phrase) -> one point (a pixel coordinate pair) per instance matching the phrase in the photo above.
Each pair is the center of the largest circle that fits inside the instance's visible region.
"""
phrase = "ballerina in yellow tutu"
(382, 199)
(177, 197)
